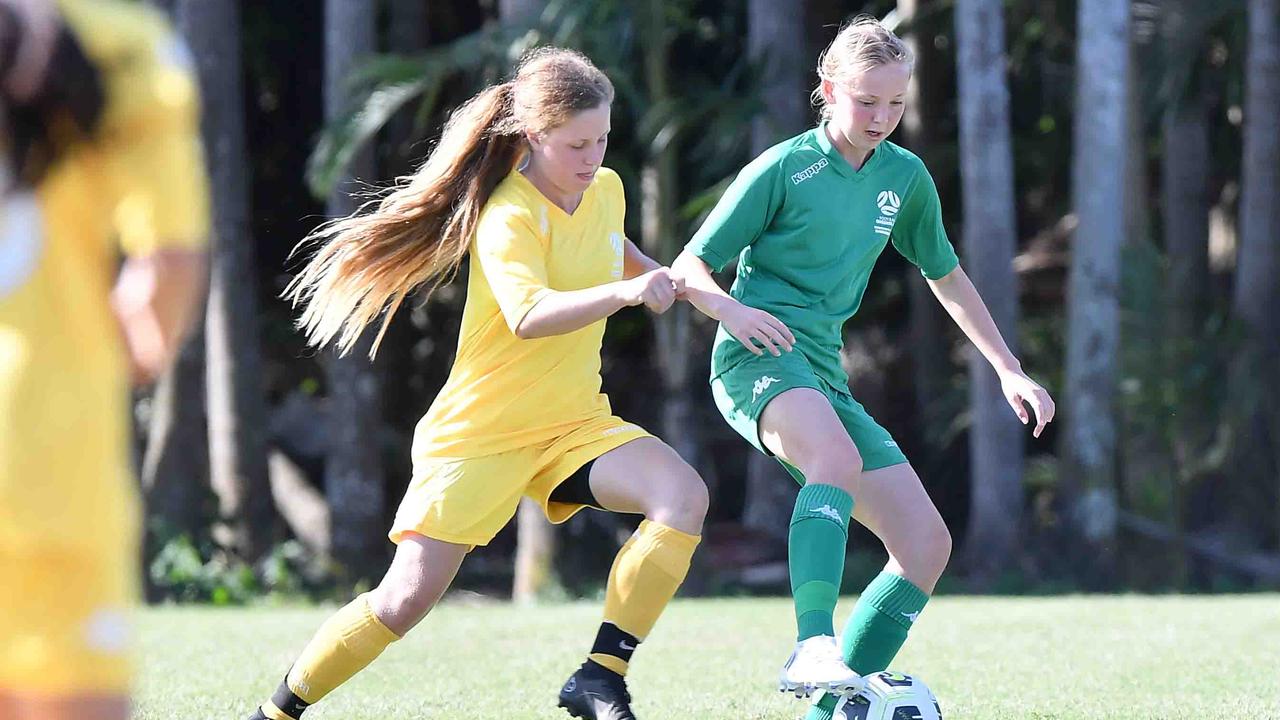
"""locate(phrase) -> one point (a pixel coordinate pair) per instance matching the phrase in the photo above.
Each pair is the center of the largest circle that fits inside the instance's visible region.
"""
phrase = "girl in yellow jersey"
(99, 154)
(516, 181)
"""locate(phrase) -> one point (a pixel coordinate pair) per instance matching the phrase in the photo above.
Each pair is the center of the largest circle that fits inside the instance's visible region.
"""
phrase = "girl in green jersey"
(806, 221)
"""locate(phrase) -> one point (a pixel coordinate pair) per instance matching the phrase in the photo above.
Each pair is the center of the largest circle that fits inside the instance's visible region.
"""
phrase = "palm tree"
(1185, 208)
(658, 178)
(990, 240)
(1257, 292)
(175, 465)
(353, 468)
(776, 43)
(929, 344)
(1088, 473)
(236, 407)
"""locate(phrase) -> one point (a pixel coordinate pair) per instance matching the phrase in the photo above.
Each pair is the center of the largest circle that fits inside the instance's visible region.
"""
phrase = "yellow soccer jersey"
(504, 392)
(139, 185)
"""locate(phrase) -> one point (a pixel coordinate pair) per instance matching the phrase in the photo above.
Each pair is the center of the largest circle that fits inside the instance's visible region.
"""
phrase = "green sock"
(876, 630)
(815, 547)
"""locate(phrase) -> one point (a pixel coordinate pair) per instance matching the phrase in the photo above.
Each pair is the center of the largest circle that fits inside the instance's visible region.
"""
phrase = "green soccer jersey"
(807, 229)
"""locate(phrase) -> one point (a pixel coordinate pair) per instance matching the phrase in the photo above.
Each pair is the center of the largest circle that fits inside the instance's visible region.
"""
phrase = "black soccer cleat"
(595, 692)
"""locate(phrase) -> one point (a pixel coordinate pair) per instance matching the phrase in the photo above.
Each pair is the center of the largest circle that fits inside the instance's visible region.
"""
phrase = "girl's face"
(569, 155)
(868, 108)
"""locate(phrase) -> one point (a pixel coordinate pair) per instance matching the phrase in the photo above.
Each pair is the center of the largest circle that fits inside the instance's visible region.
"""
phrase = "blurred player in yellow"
(99, 155)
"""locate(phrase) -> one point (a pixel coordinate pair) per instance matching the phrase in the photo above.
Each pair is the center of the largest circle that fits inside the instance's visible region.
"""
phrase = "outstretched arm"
(559, 312)
(634, 262)
(747, 324)
(155, 299)
(960, 298)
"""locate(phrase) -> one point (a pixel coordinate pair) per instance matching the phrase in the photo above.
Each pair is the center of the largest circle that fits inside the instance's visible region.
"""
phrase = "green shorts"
(742, 392)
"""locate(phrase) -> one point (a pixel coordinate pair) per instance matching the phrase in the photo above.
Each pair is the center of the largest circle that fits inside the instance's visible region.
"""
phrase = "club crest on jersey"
(805, 174)
(889, 204)
(619, 255)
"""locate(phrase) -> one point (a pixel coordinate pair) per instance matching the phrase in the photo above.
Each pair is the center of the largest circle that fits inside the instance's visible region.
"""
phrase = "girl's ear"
(828, 91)
(533, 139)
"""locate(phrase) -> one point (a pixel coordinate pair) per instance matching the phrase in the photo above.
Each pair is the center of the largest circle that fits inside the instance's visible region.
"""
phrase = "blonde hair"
(419, 231)
(861, 45)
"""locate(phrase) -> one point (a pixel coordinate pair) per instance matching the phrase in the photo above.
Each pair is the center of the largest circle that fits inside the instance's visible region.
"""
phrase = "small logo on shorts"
(890, 443)
(761, 385)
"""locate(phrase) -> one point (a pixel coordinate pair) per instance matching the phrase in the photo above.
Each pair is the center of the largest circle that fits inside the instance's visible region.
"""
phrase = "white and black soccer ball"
(890, 696)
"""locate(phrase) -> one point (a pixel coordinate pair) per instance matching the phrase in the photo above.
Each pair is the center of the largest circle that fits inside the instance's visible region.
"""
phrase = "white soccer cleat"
(816, 664)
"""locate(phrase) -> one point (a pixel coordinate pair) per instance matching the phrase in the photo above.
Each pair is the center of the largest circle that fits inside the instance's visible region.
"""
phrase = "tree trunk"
(535, 535)
(175, 467)
(929, 343)
(1257, 292)
(1145, 463)
(658, 237)
(237, 410)
(776, 40)
(1093, 323)
(353, 469)
(990, 241)
(1185, 199)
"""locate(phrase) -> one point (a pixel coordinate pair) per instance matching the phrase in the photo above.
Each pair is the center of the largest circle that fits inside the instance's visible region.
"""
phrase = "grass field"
(1066, 658)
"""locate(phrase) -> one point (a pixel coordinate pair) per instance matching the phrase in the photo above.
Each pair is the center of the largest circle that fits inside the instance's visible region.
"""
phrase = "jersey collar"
(841, 165)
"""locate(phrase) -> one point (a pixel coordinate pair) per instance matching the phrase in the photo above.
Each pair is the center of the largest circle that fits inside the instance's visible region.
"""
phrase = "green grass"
(1067, 658)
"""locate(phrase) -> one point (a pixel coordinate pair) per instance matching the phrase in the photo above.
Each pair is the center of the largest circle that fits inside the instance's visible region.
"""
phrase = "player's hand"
(656, 290)
(1021, 391)
(750, 326)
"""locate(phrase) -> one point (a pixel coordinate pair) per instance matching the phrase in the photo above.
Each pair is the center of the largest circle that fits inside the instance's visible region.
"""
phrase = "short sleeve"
(742, 214)
(919, 234)
(513, 260)
(154, 158)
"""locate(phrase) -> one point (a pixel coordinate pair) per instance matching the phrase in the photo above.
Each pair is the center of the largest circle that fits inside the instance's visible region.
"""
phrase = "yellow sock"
(346, 642)
(645, 576)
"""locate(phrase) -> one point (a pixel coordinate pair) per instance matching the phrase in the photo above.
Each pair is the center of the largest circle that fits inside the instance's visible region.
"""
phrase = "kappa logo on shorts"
(890, 443)
(761, 385)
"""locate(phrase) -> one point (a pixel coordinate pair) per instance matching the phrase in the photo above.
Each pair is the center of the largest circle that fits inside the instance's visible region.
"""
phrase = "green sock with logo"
(815, 548)
(876, 630)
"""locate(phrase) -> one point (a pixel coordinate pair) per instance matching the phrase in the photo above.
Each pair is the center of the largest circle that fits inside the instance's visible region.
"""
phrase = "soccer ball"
(890, 696)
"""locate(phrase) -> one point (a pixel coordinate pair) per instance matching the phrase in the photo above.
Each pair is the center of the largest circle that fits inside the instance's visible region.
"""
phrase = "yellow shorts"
(468, 500)
(64, 619)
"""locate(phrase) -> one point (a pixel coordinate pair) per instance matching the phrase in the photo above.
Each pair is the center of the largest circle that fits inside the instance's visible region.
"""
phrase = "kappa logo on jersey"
(21, 240)
(889, 204)
(805, 174)
(619, 255)
(761, 385)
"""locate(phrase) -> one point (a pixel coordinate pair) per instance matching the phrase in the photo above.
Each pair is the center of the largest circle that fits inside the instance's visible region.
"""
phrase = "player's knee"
(682, 501)
(839, 465)
(401, 602)
(931, 551)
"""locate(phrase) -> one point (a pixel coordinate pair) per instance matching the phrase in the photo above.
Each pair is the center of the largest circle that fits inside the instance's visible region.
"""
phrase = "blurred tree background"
(1108, 172)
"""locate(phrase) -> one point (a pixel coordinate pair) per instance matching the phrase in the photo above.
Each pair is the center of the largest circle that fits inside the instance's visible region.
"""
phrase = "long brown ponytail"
(419, 232)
